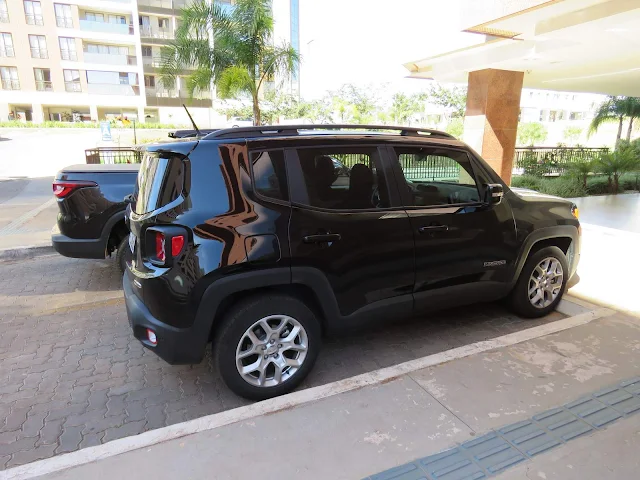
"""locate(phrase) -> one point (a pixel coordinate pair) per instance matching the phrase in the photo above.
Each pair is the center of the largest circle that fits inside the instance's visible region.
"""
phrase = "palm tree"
(616, 109)
(231, 47)
(581, 170)
(614, 164)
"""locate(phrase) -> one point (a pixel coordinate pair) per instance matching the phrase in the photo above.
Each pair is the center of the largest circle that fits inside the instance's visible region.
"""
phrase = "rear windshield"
(160, 181)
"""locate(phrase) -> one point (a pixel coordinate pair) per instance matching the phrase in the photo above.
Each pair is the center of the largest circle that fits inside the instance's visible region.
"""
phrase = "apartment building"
(91, 60)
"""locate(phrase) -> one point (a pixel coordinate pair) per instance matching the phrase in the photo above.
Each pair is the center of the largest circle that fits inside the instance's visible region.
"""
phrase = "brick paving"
(72, 376)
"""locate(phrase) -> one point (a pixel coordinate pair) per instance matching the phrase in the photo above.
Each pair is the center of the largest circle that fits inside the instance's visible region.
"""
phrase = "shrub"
(527, 181)
(560, 187)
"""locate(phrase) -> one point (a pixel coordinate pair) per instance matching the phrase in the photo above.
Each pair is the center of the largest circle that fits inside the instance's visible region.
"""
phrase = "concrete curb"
(27, 251)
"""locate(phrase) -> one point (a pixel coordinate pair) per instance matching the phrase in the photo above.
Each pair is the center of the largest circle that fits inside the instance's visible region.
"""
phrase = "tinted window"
(437, 176)
(343, 178)
(269, 175)
(160, 181)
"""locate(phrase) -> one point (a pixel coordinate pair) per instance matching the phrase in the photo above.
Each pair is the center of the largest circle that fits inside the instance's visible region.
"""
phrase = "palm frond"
(233, 81)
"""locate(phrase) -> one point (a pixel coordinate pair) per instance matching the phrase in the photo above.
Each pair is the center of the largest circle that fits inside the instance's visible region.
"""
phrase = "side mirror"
(493, 193)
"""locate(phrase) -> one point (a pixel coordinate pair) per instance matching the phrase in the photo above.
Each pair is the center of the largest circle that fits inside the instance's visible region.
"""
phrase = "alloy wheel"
(545, 282)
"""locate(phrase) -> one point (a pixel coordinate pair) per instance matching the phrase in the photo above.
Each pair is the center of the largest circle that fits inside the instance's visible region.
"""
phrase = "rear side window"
(269, 174)
(160, 182)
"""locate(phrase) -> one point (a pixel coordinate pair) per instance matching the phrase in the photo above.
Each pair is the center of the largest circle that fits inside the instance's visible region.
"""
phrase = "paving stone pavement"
(72, 375)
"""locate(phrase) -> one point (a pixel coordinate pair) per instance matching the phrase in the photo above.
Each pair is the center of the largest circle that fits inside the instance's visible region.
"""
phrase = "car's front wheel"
(267, 345)
(541, 284)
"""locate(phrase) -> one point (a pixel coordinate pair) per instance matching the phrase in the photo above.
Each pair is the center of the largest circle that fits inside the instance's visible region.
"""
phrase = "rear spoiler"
(191, 133)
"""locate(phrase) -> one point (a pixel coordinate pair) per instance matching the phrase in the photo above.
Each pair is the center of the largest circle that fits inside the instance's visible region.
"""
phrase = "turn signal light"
(575, 212)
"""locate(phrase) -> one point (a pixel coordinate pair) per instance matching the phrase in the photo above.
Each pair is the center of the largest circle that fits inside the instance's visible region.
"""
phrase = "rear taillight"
(62, 189)
(177, 243)
(161, 254)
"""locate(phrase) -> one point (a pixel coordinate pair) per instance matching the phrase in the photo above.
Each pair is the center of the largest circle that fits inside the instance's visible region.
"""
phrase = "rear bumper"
(176, 346)
(77, 247)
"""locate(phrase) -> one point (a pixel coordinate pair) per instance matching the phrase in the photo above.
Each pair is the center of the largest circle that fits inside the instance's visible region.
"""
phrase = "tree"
(572, 134)
(455, 127)
(616, 109)
(231, 48)
(403, 107)
(453, 99)
(531, 133)
(614, 164)
(581, 170)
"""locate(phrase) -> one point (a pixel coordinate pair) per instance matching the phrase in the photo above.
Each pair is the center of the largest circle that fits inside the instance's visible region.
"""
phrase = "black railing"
(112, 155)
(552, 160)
(415, 168)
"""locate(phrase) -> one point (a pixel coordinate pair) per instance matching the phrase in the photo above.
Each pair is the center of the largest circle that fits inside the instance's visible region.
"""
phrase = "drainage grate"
(498, 450)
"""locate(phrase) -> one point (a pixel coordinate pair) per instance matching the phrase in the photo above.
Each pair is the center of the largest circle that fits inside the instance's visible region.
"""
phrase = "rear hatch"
(162, 185)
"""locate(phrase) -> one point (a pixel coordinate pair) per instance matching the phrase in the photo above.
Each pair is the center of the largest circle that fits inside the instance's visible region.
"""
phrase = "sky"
(366, 41)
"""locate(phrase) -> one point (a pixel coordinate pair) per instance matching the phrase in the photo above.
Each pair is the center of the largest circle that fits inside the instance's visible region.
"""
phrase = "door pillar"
(491, 119)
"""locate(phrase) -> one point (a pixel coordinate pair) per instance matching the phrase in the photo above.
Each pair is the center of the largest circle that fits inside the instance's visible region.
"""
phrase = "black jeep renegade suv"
(261, 239)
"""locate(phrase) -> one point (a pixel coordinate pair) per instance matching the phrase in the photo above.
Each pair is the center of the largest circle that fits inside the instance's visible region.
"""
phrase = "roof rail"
(190, 133)
(281, 130)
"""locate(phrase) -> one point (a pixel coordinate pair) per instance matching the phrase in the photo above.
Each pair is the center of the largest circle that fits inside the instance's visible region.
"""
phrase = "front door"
(347, 225)
(465, 250)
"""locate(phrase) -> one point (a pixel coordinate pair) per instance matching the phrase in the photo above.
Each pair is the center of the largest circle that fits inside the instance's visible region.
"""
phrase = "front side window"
(342, 178)
(38, 44)
(437, 176)
(68, 48)
(33, 12)
(63, 15)
(269, 175)
(72, 80)
(6, 45)
(43, 79)
(9, 77)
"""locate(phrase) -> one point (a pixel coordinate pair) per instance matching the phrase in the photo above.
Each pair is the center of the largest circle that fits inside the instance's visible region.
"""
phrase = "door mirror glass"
(493, 193)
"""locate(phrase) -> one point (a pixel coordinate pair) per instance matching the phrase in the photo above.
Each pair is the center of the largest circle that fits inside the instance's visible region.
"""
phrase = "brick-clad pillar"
(491, 120)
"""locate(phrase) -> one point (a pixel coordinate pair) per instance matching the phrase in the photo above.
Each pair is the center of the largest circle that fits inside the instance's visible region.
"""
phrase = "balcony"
(44, 86)
(7, 52)
(69, 55)
(155, 62)
(33, 19)
(10, 84)
(161, 97)
(72, 86)
(113, 89)
(105, 27)
(39, 53)
(110, 59)
(64, 22)
(148, 32)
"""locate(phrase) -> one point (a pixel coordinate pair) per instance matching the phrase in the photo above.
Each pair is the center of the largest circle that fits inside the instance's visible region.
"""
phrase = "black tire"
(240, 318)
(519, 297)
(122, 254)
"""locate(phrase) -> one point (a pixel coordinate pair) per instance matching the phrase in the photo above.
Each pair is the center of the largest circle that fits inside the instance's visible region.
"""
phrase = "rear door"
(348, 226)
(464, 248)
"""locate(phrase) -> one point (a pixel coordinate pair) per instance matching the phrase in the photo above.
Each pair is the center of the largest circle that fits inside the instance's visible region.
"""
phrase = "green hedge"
(567, 186)
(142, 126)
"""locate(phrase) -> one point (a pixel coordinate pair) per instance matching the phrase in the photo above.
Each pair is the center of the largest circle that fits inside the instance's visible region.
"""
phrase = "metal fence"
(112, 155)
(543, 161)
(415, 167)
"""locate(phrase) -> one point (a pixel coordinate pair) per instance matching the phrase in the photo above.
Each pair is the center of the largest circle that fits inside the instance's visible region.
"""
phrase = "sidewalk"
(28, 211)
(393, 417)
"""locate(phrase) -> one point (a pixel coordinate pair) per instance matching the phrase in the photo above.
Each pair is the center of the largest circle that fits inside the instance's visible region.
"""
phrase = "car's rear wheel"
(267, 345)
(121, 253)
(541, 284)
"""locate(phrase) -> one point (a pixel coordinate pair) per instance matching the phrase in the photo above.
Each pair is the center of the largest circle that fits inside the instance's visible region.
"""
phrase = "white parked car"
(235, 122)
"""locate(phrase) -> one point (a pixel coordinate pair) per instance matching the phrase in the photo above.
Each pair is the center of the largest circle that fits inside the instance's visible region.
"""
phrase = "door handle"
(433, 229)
(322, 238)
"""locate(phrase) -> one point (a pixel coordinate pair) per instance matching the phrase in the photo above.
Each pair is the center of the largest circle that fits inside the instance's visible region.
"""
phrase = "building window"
(38, 44)
(63, 15)
(111, 78)
(33, 12)
(68, 48)
(72, 80)
(576, 116)
(6, 45)
(43, 79)
(149, 81)
(163, 23)
(4, 12)
(9, 76)
(147, 51)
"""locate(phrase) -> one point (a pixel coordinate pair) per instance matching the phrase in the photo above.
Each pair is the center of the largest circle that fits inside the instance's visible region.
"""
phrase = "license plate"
(132, 242)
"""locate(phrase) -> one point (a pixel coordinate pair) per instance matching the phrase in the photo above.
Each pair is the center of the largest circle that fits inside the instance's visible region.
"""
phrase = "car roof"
(334, 130)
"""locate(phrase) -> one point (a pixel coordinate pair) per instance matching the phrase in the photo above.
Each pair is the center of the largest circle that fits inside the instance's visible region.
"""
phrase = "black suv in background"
(262, 239)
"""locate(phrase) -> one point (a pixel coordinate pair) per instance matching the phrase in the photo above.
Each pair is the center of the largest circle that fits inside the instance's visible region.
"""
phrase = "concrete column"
(4, 112)
(93, 111)
(141, 118)
(491, 120)
(37, 115)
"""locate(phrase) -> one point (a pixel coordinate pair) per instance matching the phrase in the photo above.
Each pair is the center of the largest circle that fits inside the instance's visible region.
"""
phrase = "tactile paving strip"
(500, 449)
